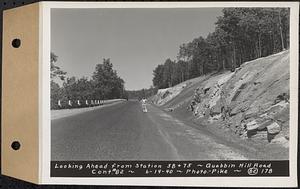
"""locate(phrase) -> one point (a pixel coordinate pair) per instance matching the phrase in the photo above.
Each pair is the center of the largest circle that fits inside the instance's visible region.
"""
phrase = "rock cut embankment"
(252, 101)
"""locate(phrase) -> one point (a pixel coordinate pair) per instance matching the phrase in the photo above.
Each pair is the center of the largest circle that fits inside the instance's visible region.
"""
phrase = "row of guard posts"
(78, 103)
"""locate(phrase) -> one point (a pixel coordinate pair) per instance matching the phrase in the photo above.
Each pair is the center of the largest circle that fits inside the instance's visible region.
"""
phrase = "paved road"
(124, 132)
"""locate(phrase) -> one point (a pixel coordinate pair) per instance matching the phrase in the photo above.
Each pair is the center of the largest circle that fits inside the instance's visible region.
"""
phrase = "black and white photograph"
(170, 84)
(181, 94)
(136, 87)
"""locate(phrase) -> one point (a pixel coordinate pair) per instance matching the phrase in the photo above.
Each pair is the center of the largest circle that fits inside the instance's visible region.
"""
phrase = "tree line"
(143, 93)
(104, 84)
(240, 35)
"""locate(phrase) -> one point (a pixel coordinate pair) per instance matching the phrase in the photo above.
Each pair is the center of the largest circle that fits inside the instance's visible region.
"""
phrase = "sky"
(135, 40)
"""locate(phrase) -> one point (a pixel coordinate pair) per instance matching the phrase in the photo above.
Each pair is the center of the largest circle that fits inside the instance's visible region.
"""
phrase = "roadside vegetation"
(84, 92)
(241, 35)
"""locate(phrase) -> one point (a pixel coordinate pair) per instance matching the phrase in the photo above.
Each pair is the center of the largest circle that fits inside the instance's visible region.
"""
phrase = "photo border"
(44, 99)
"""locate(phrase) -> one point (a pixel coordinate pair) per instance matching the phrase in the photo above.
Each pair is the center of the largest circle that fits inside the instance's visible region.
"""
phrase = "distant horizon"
(135, 40)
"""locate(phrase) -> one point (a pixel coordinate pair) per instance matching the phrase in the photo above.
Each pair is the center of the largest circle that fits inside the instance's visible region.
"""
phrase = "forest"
(240, 35)
(104, 84)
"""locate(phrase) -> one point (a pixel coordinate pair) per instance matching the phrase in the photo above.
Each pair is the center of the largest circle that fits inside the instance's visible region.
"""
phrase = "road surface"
(123, 132)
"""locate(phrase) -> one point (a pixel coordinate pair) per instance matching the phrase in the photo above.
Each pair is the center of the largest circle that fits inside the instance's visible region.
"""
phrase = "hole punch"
(16, 145)
(16, 43)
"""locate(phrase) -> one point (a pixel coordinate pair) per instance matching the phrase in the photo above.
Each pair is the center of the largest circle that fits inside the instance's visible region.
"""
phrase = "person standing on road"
(144, 105)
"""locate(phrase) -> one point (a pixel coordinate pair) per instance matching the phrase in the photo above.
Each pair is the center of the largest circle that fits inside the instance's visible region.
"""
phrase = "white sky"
(136, 40)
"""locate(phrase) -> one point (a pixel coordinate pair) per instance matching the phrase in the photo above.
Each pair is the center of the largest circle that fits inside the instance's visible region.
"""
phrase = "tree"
(56, 90)
(56, 94)
(241, 34)
(168, 73)
(55, 71)
(158, 77)
(106, 82)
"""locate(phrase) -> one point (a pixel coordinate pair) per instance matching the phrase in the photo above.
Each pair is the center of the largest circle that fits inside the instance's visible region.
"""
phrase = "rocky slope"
(252, 102)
